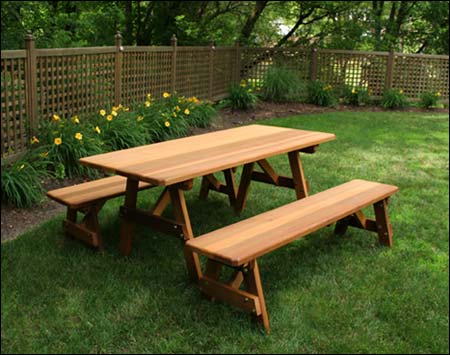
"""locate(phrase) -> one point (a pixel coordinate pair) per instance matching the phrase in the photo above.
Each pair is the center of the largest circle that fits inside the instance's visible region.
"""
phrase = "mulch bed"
(15, 221)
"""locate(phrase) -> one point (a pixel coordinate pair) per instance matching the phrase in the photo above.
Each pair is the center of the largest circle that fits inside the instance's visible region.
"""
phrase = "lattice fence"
(37, 83)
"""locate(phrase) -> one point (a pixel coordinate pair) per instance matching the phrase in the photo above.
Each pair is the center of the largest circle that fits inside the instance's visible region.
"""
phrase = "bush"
(165, 118)
(282, 85)
(202, 114)
(241, 97)
(22, 182)
(394, 98)
(429, 99)
(119, 129)
(356, 96)
(321, 94)
(64, 142)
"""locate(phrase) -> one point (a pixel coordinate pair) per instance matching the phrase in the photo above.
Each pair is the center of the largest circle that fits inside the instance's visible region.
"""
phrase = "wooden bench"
(88, 198)
(240, 244)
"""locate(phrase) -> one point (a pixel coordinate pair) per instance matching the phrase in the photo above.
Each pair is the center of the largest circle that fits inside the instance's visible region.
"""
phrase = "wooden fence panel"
(224, 68)
(145, 71)
(73, 83)
(348, 68)
(416, 74)
(13, 100)
(192, 72)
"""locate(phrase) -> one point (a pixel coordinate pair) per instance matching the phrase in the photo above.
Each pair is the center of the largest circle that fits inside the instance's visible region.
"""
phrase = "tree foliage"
(410, 26)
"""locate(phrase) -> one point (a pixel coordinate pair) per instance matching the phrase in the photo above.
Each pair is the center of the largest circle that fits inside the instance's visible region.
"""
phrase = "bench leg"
(380, 225)
(88, 230)
(250, 300)
(244, 186)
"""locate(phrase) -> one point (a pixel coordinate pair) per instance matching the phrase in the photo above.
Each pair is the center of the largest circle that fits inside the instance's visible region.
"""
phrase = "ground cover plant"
(325, 294)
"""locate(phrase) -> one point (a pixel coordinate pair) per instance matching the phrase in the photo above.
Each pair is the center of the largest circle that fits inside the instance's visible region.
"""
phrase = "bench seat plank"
(80, 195)
(244, 241)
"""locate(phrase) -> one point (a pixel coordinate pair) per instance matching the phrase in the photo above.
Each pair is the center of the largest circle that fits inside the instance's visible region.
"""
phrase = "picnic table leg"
(300, 185)
(127, 225)
(182, 217)
(244, 186)
(210, 182)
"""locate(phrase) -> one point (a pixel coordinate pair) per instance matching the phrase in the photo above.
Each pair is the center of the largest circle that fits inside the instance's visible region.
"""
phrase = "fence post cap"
(173, 40)
(118, 34)
(29, 36)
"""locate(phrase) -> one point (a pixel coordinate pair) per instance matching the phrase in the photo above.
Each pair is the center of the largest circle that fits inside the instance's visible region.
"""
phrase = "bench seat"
(88, 198)
(240, 244)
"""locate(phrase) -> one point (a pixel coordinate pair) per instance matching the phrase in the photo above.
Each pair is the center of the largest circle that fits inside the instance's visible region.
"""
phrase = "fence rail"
(37, 83)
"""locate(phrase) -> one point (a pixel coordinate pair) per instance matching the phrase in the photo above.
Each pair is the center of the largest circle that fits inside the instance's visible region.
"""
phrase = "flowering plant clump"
(356, 96)
(394, 98)
(117, 129)
(321, 94)
(63, 141)
(430, 99)
(242, 96)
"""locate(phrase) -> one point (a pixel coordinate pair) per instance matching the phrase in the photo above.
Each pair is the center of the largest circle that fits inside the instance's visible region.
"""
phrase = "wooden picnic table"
(175, 163)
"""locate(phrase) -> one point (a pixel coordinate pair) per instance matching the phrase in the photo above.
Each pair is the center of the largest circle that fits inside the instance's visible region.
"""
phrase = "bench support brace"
(250, 299)
(210, 182)
(88, 230)
(380, 224)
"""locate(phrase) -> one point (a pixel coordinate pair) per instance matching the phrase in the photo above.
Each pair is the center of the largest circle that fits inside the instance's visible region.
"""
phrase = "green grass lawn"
(324, 293)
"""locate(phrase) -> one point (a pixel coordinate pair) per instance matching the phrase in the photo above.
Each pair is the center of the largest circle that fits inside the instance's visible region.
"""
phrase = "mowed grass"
(324, 293)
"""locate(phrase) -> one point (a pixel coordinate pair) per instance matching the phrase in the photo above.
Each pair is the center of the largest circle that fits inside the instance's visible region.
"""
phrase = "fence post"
(173, 79)
(30, 83)
(313, 68)
(390, 70)
(118, 70)
(211, 69)
(237, 62)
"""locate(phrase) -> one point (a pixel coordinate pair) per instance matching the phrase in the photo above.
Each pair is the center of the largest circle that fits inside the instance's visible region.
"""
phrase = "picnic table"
(175, 163)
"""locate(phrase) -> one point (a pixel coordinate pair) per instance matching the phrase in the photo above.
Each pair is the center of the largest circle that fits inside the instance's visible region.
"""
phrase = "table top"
(178, 160)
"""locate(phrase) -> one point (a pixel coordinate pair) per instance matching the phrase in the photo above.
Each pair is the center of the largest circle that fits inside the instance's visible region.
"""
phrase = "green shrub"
(355, 96)
(394, 98)
(241, 97)
(429, 99)
(202, 114)
(321, 94)
(282, 85)
(119, 129)
(165, 118)
(64, 142)
(22, 181)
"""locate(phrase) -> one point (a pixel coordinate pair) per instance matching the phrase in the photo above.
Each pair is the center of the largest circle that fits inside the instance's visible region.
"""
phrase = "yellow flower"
(401, 91)
(174, 114)
(22, 166)
(102, 112)
(78, 136)
(139, 118)
(167, 124)
(97, 129)
(187, 112)
(147, 103)
(56, 118)
(114, 113)
(177, 108)
(75, 119)
(126, 109)
(115, 108)
(58, 141)
(34, 140)
(166, 95)
(354, 91)
(438, 94)
(44, 154)
(109, 117)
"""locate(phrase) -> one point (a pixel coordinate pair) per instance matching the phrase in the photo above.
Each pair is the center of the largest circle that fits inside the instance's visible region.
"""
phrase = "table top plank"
(174, 161)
